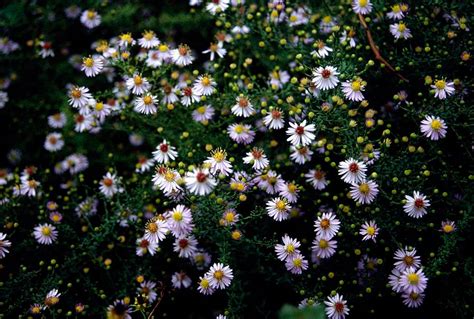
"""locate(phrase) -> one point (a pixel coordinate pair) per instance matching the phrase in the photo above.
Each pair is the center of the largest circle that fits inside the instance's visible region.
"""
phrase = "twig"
(376, 51)
(162, 294)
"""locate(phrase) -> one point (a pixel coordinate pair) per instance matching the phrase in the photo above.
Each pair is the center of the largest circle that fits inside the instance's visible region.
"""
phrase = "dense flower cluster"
(289, 149)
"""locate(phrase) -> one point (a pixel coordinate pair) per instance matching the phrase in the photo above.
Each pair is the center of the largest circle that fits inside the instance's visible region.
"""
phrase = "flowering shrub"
(234, 157)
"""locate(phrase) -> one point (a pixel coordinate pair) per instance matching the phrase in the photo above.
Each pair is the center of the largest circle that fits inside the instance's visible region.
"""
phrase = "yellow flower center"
(290, 248)
(325, 223)
(292, 188)
(178, 216)
(46, 231)
(89, 62)
(402, 27)
(239, 129)
(91, 14)
(363, 3)
(76, 93)
(327, 19)
(147, 100)
(297, 262)
(138, 80)
(35, 310)
(152, 227)
(440, 84)
(364, 188)
(219, 274)
(99, 106)
(396, 8)
(280, 205)
(323, 244)
(204, 283)
(371, 230)
(126, 37)
(169, 176)
(56, 218)
(413, 279)
(163, 48)
(436, 125)
(229, 217)
(355, 86)
(448, 228)
(219, 156)
(206, 81)
(148, 35)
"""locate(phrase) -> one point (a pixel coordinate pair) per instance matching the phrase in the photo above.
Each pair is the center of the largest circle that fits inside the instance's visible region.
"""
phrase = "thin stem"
(375, 49)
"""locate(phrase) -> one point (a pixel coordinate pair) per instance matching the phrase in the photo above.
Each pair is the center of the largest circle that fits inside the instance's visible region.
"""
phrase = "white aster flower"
(219, 163)
(156, 230)
(405, 259)
(433, 127)
(185, 246)
(204, 286)
(92, 65)
(241, 133)
(296, 264)
(257, 158)
(400, 30)
(4, 244)
(365, 192)
(413, 300)
(278, 208)
(243, 107)
(45, 234)
(416, 206)
(146, 104)
(182, 55)
(396, 13)
(413, 280)
(109, 185)
(325, 78)
(317, 178)
(180, 221)
(216, 49)
(369, 230)
(219, 276)
(217, 6)
(54, 142)
(200, 182)
(204, 85)
(165, 153)
(327, 226)
(352, 171)
(145, 246)
(90, 19)
(288, 249)
(443, 89)
(138, 84)
(149, 40)
(324, 248)
(322, 50)
(300, 134)
(336, 307)
(190, 96)
(362, 6)
(79, 97)
(274, 119)
(181, 280)
(300, 154)
(353, 90)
